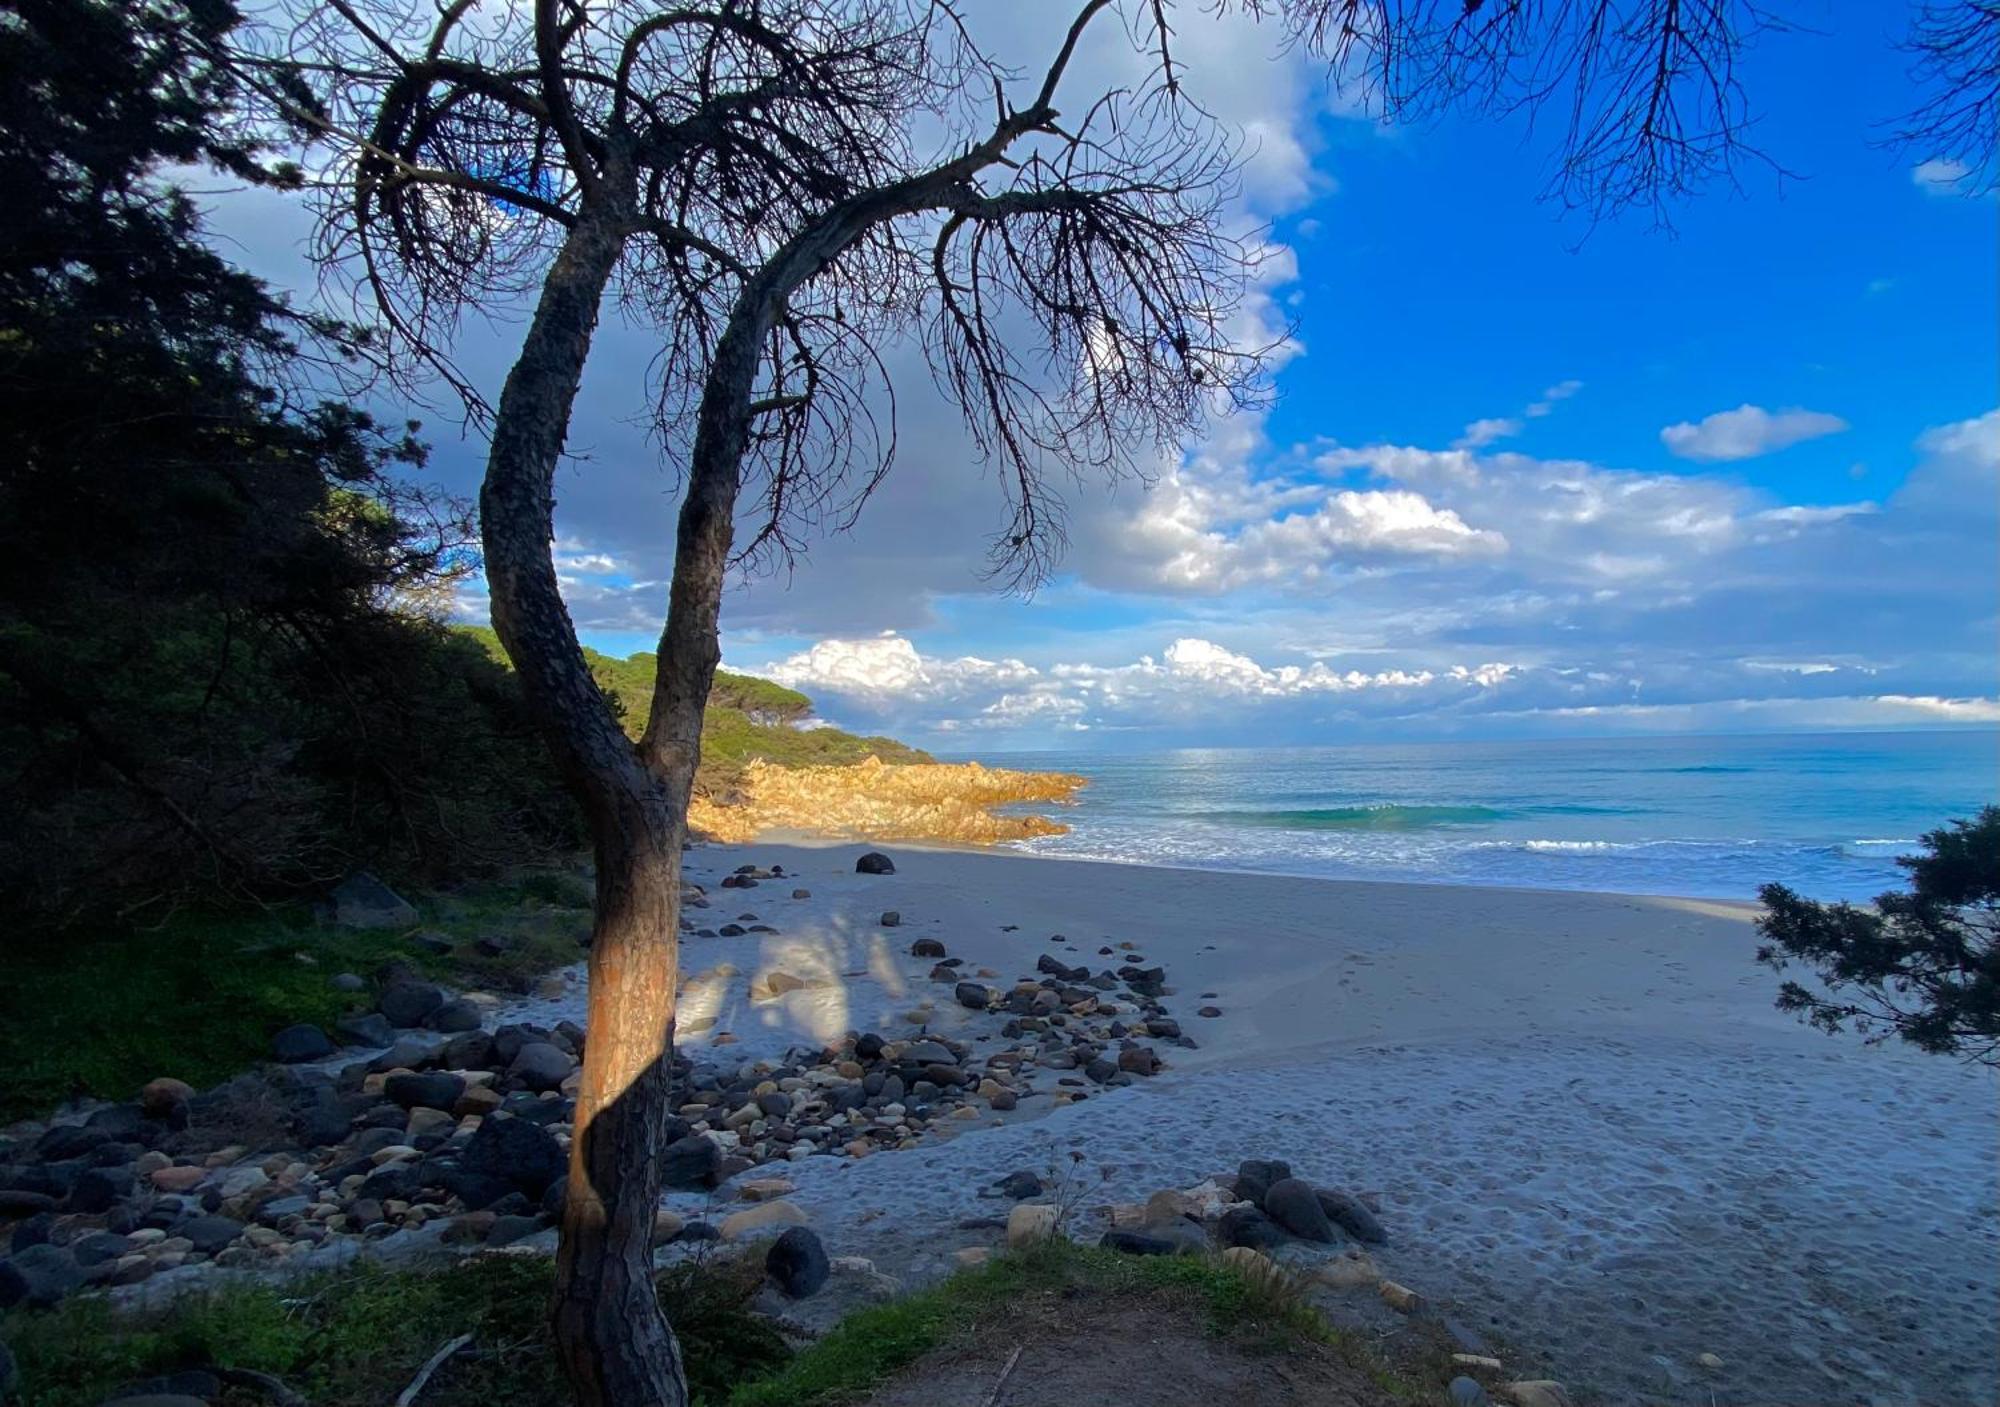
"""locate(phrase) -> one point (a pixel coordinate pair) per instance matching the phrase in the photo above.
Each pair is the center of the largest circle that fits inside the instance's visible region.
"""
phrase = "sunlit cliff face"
(873, 800)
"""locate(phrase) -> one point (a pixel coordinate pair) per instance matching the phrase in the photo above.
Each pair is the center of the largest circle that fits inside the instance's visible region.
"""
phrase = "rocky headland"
(949, 803)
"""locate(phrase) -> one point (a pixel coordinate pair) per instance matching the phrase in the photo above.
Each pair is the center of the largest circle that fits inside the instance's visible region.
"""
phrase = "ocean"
(1713, 816)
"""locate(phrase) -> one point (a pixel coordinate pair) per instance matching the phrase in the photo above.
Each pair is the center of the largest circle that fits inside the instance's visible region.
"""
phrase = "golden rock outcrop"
(875, 800)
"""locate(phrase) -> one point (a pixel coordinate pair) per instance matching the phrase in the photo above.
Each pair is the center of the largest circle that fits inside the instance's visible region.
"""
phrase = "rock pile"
(456, 1124)
(433, 1128)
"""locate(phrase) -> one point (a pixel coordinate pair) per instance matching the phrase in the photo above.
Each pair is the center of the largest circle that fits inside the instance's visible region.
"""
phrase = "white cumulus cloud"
(1746, 432)
(1484, 432)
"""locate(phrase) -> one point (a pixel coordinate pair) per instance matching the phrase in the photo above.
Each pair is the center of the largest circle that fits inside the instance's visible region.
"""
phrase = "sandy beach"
(1591, 1137)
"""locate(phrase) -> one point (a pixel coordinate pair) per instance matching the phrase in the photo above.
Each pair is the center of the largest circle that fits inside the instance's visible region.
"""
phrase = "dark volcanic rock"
(409, 1053)
(541, 1065)
(455, 1016)
(1139, 1060)
(96, 1247)
(973, 995)
(874, 862)
(1019, 1185)
(408, 1003)
(38, 1275)
(797, 1262)
(691, 1162)
(1350, 1216)
(1246, 1226)
(371, 1029)
(405, 1182)
(66, 1141)
(435, 1090)
(471, 1050)
(209, 1233)
(523, 1154)
(296, 1044)
(1254, 1177)
(97, 1189)
(1292, 1203)
(22, 1204)
(122, 1121)
(1134, 1243)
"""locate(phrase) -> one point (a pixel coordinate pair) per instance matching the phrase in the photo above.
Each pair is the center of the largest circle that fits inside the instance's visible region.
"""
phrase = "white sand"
(1589, 1132)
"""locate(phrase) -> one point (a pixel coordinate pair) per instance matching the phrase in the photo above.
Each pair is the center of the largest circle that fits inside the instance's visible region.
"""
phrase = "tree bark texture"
(614, 1341)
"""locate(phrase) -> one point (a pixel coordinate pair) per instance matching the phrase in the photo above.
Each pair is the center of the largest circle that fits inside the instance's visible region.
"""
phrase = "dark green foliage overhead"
(218, 675)
(1922, 964)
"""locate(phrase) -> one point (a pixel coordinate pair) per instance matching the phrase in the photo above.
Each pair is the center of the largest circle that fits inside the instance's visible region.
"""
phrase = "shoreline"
(807, 840)
(1583, 1121)
(1595, 1144)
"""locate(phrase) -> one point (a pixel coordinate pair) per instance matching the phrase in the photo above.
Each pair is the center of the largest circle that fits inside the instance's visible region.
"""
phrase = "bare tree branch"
(1954, 52)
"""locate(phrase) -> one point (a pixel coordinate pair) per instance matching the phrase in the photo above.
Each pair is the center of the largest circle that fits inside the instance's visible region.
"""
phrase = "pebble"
(1029, 1223)
(1537, 1392)
(177, 1179)
(1353, 1271)
(447, 1083)
(764, 1189)
(762, 1217)
(797, 1263)
(1400, 1298)
(1466, 1392)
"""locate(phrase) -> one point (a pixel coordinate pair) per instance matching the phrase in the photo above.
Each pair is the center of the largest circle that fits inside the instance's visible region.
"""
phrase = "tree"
(747, 177)
(233, 691)
(1923, 964)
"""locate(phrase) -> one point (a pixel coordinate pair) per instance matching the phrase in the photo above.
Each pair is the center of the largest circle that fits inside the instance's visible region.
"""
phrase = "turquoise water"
(1824, 813)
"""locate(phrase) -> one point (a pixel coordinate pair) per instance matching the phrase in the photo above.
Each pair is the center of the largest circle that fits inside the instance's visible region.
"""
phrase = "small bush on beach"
(1923, 964)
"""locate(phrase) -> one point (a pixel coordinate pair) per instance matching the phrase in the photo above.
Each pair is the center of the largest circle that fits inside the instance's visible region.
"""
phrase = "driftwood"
(993, 1397)
(273, 1388)
(409, 1394)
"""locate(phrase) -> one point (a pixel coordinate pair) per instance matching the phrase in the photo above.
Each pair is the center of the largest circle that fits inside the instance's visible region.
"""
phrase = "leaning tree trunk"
(610, 1333)
(614, 1341)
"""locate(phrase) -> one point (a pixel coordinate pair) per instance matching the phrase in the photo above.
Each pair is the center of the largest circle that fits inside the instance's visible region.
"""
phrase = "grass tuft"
(354, 1338)
(869, 1346)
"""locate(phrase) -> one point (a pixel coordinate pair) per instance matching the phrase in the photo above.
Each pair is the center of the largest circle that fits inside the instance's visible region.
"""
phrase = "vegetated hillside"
(748, 719)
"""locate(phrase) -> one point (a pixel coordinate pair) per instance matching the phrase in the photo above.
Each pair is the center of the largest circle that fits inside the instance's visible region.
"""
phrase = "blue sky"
(1520, 476)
